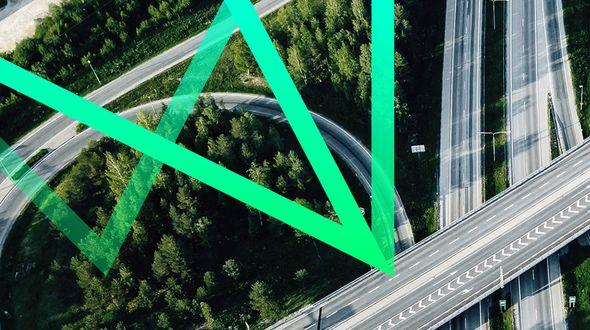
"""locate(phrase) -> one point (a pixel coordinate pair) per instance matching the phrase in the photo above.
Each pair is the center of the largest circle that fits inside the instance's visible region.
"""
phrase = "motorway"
(535, 43)
(569, 130)
(66, 145)
(460, 181)
(448, 272)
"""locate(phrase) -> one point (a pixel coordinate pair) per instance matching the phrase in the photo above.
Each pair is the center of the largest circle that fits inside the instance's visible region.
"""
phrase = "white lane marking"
(391, 279)
(375, 288)
(332, 313)
(544, 184)
(560, 174)
(352, 302)
(578, 163)
(414, 265)
(527, 196)
(472, 230)
(491, 218)
(433, 253)
(453, 241)
(509, 206)
(453, 273)
(309, 326)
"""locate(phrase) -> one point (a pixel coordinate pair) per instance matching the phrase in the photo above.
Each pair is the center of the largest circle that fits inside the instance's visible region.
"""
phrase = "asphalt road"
(562, 92)
(66, 145)
(446, 273)
(537, 304)
(460, 181)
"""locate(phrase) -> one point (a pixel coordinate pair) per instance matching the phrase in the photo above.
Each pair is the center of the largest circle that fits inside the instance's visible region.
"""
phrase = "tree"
(231, 269)
(261, 300)
(168, 260)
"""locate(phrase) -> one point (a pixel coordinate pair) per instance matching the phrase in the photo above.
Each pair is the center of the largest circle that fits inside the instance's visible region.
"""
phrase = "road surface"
(460, 181)
(568, 127)
(448, 272)
(536, 69)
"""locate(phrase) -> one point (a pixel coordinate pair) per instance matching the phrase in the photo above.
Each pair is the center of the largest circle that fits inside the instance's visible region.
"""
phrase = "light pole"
(581, 96)
(91, 67)
(493, 134)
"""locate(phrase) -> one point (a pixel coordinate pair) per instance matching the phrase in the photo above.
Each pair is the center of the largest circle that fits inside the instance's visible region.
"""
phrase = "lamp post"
(92, 68)
(581, 96)
(493, 134)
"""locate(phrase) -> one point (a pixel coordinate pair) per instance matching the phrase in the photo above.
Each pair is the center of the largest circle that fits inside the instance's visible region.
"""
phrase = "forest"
(194, 255)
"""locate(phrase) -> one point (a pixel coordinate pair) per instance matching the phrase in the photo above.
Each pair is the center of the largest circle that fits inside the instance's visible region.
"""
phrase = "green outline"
(352, 236)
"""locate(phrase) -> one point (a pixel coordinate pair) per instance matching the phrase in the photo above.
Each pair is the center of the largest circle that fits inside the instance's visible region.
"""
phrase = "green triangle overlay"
(352, 236)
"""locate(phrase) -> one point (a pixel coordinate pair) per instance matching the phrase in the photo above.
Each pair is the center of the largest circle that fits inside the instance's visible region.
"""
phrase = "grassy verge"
(576, 13)
(416, 175)
(34, 159)
(575, 269)
(501, 320)
(496, 167)
(553, 140)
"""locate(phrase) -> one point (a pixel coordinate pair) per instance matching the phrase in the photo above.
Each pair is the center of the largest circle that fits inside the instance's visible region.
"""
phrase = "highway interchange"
(506, 230)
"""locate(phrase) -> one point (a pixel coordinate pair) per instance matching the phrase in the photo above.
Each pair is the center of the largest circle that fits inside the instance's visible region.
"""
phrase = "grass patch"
(496, 169)
(575, 269)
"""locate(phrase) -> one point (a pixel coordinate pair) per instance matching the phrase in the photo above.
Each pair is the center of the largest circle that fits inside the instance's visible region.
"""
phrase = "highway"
(568, 127)
(453, 269)
(460, 180)
(532, 40)
(66, 145)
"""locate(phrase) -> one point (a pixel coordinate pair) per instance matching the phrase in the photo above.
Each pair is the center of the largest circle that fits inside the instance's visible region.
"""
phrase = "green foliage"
(179, 267)
(261, 300)
(114, 36)
(575, 13)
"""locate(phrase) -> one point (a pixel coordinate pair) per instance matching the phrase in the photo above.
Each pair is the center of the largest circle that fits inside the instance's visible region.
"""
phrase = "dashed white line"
(453, 241)
(472, 230)
(509, 206)
(527, 196)
(560, 174)
(433, 253)
(414, 265)
(491, 218)
(544, 184)
(352, 302)
(375, 288)
(333, 313)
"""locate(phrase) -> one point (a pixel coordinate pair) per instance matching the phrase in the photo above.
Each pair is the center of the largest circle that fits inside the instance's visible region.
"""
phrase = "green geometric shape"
(352, 235)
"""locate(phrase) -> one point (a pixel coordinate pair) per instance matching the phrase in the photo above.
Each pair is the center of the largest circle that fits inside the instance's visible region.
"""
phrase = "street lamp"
(91, 67)
(493, 134)
(581, 96)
